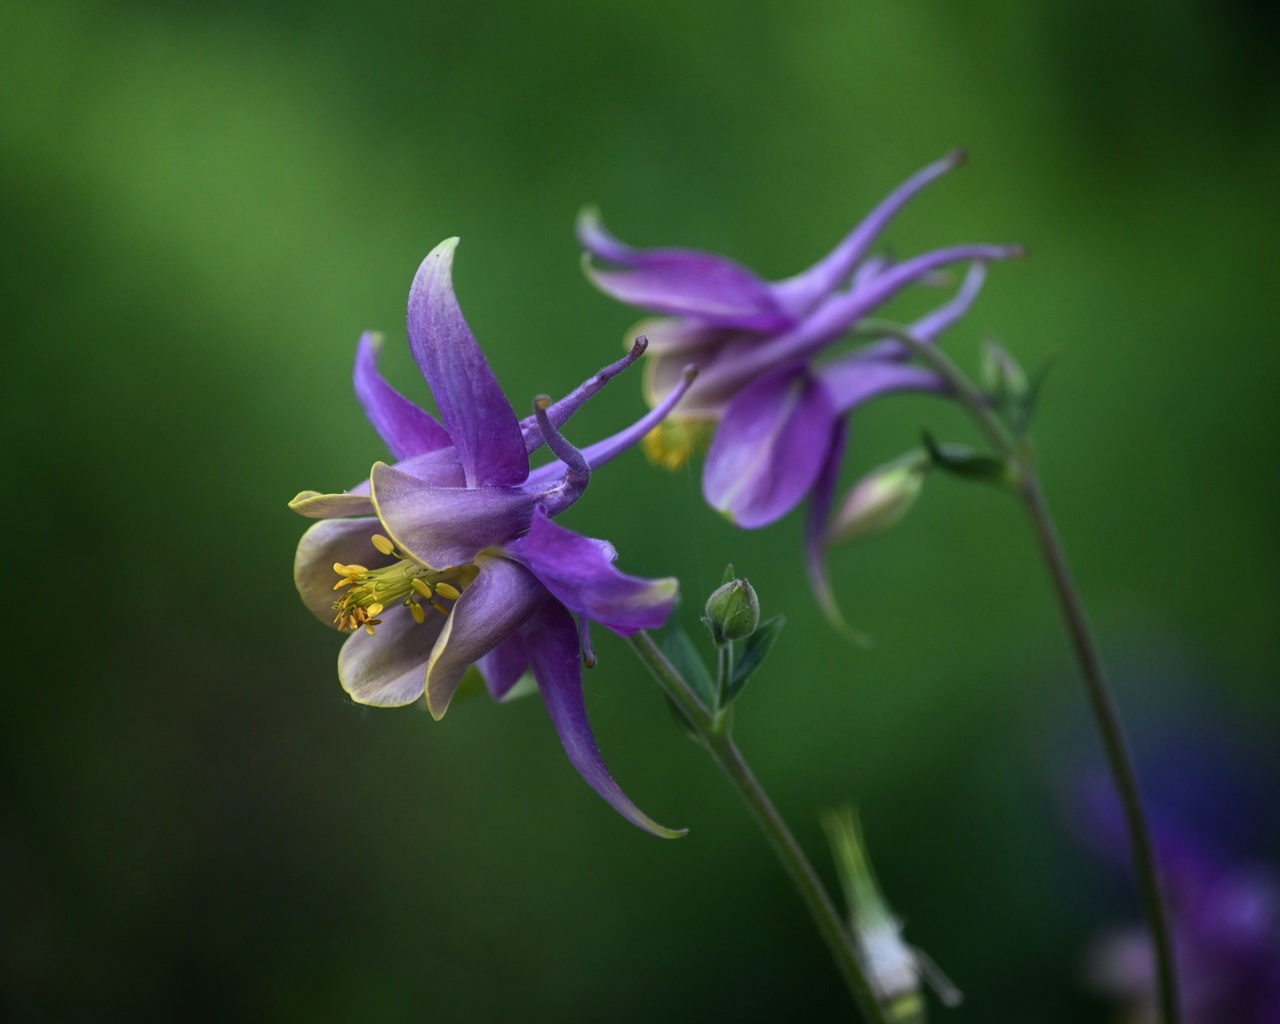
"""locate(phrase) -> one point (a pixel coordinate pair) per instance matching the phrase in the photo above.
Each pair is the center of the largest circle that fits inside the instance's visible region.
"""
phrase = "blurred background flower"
(1213, 794)
(203, 206)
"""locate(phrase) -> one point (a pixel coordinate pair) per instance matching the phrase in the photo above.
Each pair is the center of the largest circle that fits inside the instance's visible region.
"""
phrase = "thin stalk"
(1124, 770)
(1102, 702)
(726, 754)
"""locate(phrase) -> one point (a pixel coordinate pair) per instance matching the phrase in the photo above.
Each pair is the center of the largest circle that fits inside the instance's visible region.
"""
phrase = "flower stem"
(1120, 757)
(726, 754)
(1102, 702)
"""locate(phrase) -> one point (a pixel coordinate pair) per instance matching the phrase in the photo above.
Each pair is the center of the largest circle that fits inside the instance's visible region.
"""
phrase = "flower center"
(673, 442)
(406, 582)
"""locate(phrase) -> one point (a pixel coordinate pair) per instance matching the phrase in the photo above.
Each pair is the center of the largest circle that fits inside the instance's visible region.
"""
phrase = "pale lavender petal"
(497, 603)
(559, 412)
(389, 669)
(600, 242)
(503, 666)
(476, 413)
(602, 451)
(769, 448)
(443, 526)
(579, 572)
(799, 293)
(931, 325)
(853, 380)
(552, 642)
(406, 429)
(326, 542)
(315, 505)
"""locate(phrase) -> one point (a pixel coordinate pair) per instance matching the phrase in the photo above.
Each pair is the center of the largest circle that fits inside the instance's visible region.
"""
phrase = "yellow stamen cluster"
(406, 582)
(673, 442)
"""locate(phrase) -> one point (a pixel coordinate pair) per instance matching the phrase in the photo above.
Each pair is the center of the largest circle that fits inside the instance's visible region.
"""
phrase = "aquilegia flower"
(1212, 815)
(450, 558)
(778, 413)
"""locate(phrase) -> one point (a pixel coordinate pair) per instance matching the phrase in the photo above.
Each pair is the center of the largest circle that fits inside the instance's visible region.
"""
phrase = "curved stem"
(1102, 700)
(1124, 770)
(726, 754)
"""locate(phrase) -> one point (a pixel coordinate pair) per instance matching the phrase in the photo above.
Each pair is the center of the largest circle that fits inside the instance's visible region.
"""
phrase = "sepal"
(755, 649)
(968, 463)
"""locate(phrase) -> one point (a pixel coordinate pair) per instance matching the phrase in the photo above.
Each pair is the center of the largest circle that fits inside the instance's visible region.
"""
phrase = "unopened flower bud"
(1004, 379)
(878, 501)
(733, 612)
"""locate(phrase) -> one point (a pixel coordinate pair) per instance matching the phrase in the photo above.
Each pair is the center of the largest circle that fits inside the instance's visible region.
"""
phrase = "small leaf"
(754, 649)
(1022, 422)
(684, 658)
(962, 461)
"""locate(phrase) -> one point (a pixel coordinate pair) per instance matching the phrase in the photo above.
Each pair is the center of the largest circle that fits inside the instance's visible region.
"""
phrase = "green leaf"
(962, 461)
(754, 649)
(684, 658)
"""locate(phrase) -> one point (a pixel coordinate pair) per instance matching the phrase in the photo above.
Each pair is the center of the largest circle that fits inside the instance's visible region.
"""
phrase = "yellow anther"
(673, 442)
(368, 628)
(373, 611)
(383, 544)
(444, 590)
(415, 609)
(422, 587)
(443, 609)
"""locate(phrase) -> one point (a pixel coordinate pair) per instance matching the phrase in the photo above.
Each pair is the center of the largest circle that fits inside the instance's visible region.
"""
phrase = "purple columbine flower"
(778, 411)
(450, 558)
(1208, 809)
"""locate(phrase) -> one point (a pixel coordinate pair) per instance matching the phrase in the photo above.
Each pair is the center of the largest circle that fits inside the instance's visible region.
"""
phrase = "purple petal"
(552, 641)
(389, 669)
(744, 360)
(315, 505)
(328, 541)
(560, 412)
(853, 380)
(443, 526)
(476, 413)
(579, 573)
(503, 666)
(497, 603)
(769, 448)
(406, 429)
(802, 291)
(681, 282)
(931, 325)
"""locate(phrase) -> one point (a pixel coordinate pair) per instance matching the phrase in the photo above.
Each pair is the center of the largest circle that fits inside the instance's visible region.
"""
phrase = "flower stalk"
(1102, 702)
(716, 738)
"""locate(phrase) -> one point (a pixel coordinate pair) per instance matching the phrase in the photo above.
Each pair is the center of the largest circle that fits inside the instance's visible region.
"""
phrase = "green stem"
(726, 754)
(1120, 757)
(1102, 702)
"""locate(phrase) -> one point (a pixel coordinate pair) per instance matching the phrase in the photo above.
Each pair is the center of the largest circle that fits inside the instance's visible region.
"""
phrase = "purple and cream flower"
(450, 557)
(777, 408)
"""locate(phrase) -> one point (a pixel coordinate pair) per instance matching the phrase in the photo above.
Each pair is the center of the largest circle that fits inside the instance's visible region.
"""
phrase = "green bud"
(733, 612)
(1004, 379)
(878, 500)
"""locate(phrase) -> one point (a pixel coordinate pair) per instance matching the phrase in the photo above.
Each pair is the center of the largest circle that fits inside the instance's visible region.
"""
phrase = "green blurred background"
(203, 206)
